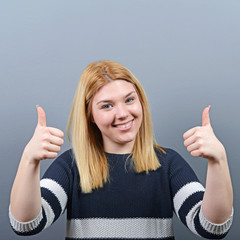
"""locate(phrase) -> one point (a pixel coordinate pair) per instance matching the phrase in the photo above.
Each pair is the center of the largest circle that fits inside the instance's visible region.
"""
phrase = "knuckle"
(44, 155)
(201, 152)
(192, 154)
(198, 128)
(44, 145)
(46, 135)
(198, 134)
(195, 154)
(200, 142)
(61, 141)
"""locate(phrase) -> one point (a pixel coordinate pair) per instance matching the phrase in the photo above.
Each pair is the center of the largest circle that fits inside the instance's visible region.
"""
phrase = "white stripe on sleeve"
(185, 192)
(190, 217)
(57, 190)
(49, 213)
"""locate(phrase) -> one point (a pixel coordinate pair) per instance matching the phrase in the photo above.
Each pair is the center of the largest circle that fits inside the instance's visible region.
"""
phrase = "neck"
(119, 149)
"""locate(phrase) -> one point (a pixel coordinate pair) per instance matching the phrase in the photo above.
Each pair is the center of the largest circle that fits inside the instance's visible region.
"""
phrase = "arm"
(25, 201)
(218, 197)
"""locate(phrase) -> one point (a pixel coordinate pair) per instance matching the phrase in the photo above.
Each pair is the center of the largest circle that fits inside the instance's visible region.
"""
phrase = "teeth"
(125, 125)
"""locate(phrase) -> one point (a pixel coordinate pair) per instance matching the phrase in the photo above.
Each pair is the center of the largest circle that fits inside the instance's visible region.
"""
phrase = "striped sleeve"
(55, 189)
(187, 195)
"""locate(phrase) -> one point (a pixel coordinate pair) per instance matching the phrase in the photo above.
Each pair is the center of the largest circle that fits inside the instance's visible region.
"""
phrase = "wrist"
(220, 155)
(28, 158)
(219, 159)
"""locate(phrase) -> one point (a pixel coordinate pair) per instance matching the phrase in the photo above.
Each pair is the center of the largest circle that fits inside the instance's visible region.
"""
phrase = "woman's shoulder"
(172, 162)
(65, 159)
(67, 155)
(166, 153)
(169, 156)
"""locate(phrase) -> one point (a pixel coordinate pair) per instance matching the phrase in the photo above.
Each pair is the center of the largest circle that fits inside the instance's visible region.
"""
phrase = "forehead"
(114, 89)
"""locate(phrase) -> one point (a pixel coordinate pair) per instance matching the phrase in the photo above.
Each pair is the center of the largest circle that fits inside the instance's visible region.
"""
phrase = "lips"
(124, 125)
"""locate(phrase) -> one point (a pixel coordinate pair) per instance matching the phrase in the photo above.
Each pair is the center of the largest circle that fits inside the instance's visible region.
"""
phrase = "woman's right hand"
(46, 141)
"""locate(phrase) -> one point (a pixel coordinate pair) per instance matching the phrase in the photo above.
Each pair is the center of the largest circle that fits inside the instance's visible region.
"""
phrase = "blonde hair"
(85, 136)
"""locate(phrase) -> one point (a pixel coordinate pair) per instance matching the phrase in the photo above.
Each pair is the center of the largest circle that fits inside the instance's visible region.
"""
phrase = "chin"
(127, 140)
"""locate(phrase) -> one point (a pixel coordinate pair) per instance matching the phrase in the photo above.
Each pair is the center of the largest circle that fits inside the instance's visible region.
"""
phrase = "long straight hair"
(85, 136)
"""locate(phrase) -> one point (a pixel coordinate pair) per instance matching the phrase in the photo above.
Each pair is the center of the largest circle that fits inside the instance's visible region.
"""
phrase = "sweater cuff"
(217, 229)
(25, 226)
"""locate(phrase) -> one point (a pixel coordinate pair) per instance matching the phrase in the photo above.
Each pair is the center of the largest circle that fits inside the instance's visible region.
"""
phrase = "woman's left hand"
(202, 142)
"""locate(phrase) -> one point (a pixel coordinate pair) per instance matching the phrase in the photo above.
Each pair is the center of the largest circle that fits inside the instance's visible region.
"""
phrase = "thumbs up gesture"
(202, 142)
(46, 141)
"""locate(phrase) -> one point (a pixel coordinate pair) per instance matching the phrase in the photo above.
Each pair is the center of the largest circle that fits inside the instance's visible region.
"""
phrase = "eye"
(106, 106)
(131, 99)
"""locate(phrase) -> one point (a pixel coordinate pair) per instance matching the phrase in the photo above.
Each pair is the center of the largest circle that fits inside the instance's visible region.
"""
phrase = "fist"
(202, 142)
(46, 141)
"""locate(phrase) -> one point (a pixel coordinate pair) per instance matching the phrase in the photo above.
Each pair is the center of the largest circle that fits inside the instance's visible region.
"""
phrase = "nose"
(121, 112)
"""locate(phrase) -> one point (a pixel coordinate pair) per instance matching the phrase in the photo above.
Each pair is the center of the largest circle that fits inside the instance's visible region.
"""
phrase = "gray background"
(185, 53)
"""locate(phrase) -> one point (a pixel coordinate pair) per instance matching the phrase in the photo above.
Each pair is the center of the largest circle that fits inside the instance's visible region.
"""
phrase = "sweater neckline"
(118, 155)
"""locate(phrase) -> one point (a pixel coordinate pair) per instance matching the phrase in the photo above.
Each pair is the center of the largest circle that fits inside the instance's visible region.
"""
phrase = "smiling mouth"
(125, 125)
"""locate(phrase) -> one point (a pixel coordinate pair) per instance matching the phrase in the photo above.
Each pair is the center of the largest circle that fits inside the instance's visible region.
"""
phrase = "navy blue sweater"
(130, 206)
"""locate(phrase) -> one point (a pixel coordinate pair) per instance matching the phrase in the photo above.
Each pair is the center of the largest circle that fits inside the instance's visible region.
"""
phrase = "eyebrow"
(105, 100)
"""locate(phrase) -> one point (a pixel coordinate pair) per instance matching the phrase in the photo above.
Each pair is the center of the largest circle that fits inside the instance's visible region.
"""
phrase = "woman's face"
(117, 111)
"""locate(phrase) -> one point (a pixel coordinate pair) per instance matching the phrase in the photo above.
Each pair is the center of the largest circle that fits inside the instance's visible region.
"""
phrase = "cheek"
(139, 114)
(137, 110)
(102, 120)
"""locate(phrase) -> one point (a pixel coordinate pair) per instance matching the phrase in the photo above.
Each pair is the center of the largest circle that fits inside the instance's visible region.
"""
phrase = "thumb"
(41, 116)
(205, 116)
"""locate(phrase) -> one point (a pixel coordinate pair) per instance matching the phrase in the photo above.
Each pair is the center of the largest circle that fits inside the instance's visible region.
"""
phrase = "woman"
(117, 182)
